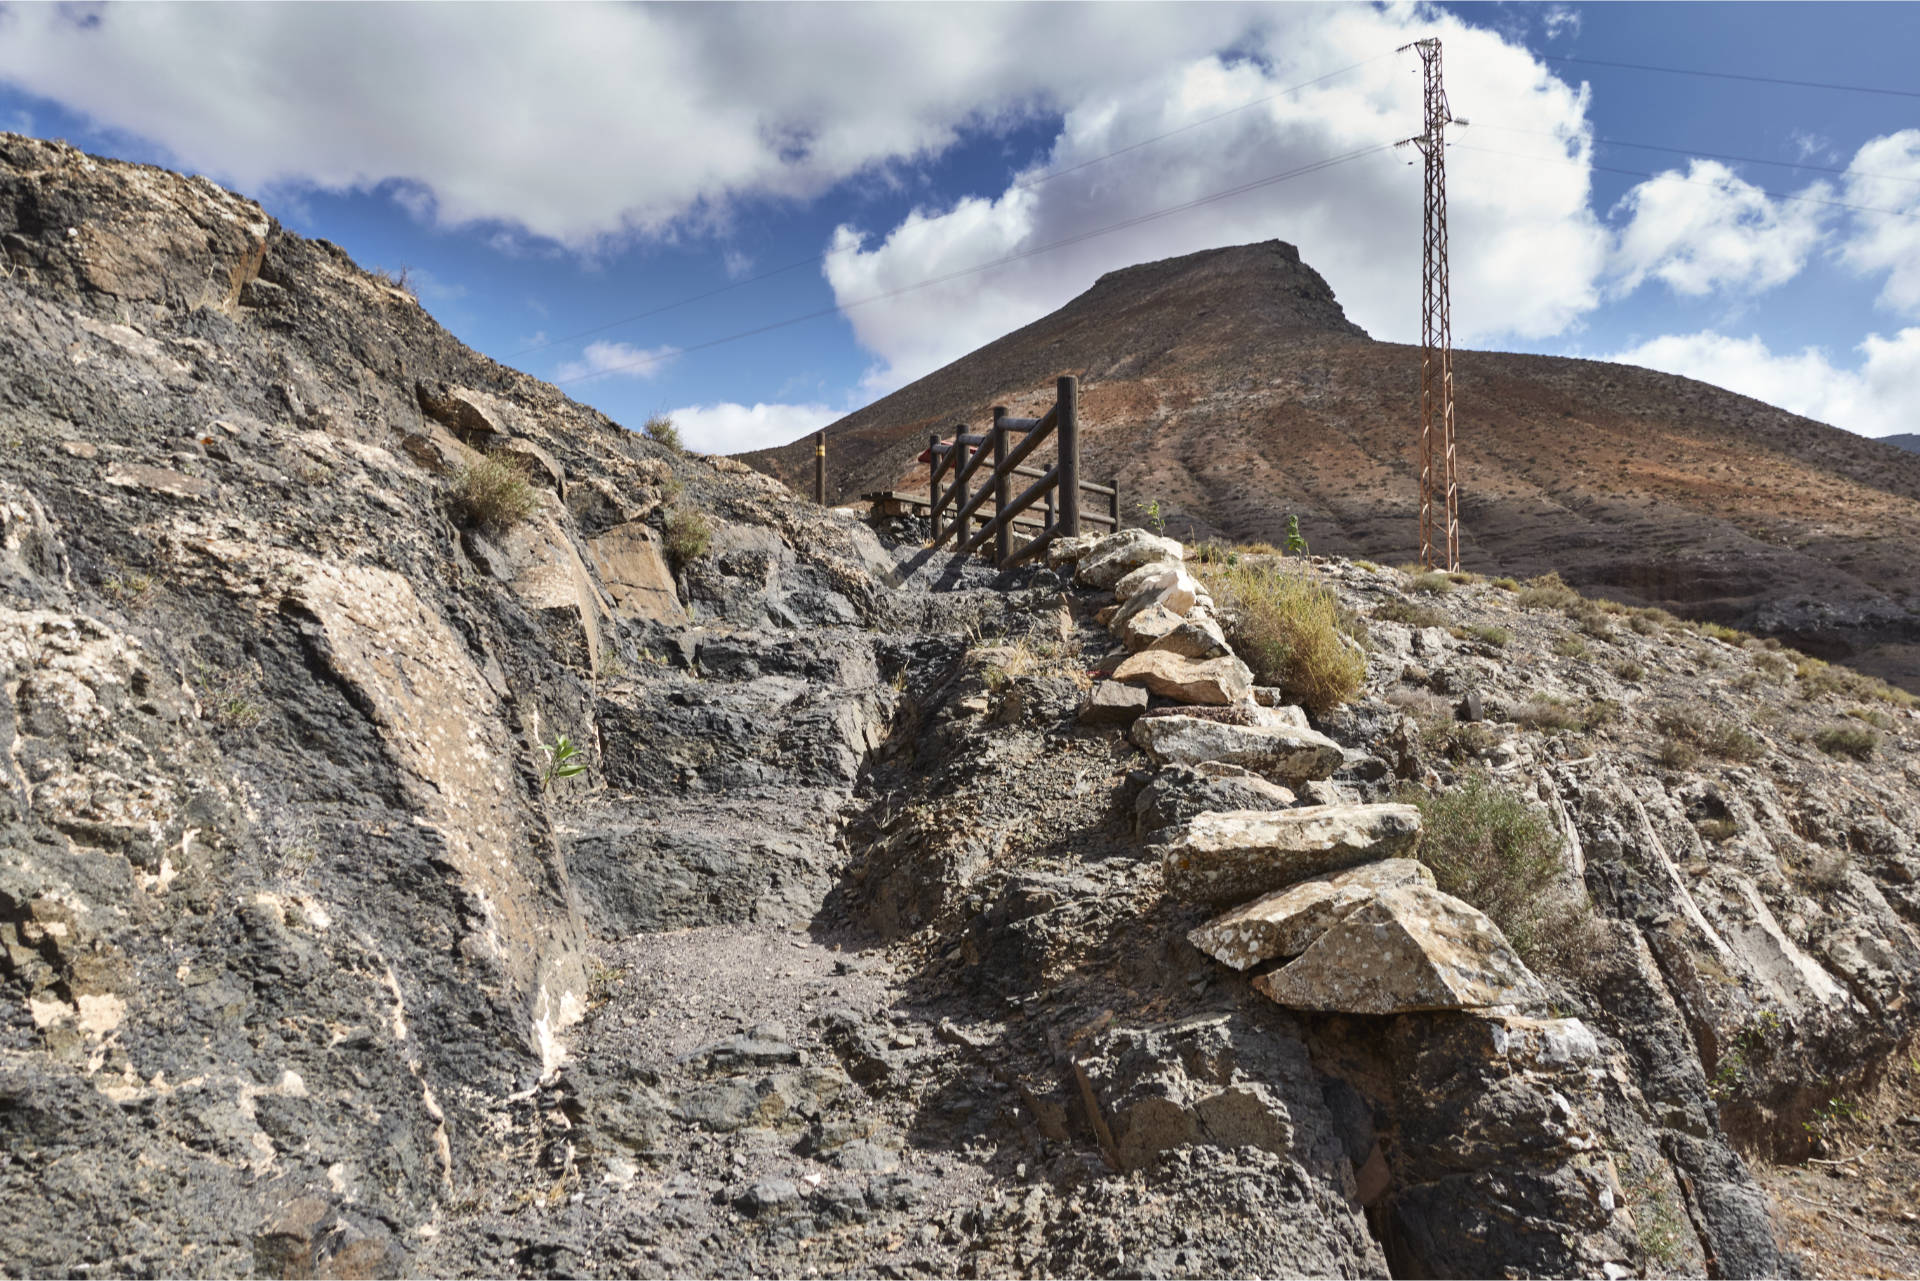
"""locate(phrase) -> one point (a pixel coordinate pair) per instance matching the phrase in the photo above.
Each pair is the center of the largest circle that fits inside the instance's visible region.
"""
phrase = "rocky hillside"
(447, 834)
(1229, 387)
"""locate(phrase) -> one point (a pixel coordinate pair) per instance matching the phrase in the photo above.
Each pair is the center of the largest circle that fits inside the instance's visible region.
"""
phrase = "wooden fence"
(1056, 491)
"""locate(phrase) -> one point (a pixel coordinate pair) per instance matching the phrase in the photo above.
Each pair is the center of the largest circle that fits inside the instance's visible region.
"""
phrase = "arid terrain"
(1228, 387)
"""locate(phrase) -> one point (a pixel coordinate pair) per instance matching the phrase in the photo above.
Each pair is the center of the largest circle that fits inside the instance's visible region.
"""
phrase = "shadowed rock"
(1216, 858)
(1286, 922)
(1285, 753)
(1412, 948)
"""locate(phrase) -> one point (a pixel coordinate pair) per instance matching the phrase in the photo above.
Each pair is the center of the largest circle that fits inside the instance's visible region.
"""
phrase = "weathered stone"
(438, 450)
(635, 573)
(1065, 551)
(1199, 638)
(158, 480)
(1117, 555)
(1286, 922)
(478, 418)
(1411, 948)
(1178, 792)
(1215, 682)
(1216, 858)
(1149, 577)
(1142, 629)
(1112, 703)
(1173, 592)
(540, 467)
(1280, 752)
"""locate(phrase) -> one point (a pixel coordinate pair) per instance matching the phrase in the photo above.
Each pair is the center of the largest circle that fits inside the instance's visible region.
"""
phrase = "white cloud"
(1526, 250)
(729, 428)
(1710, 230)
(736, 264)
(1885, 174)
(1557, 20)
(580, 121)
(1879, 398)
(618, 360)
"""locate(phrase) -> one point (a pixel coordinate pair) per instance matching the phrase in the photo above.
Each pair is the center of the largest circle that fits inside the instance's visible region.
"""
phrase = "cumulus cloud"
(616, 360)
(585, 121)
(1880, 397)
(1885, 174)
(1526, 252)
(1709, 230)
(729, 428)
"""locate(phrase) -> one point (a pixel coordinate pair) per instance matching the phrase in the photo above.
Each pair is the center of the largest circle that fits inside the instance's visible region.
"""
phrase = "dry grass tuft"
(493, 493)
(1289, 629)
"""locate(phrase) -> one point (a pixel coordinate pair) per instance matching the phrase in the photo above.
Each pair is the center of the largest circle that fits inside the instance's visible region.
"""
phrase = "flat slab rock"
(1411, 948)
(1117, 555)
(1285, 752)
(1286, 922)
(1216, 682)
(1224, 857)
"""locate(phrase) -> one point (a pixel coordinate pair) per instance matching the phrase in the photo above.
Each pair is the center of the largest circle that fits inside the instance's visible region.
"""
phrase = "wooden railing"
(1008, 444)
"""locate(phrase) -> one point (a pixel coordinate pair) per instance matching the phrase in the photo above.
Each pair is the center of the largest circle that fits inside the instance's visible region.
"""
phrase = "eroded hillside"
(872, 935)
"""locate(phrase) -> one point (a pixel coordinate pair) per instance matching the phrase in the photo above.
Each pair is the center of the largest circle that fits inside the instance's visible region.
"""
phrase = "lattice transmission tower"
(1436, 323)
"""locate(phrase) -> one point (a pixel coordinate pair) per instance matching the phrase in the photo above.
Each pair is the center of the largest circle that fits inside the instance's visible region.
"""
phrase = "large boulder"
(1284, 753)
(633, 567)
(1218, 682)
(1117, 555)
(1224, 857)
(1411, 948)
(1171, 589)
(1179, 792)
(1286, 922)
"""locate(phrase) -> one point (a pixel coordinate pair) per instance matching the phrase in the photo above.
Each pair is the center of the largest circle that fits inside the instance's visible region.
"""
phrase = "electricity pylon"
(1436, 322)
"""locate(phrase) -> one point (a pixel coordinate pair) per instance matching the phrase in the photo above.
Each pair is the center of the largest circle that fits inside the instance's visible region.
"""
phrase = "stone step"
(1411, 948)
(1216, 682)
(1240, 854)
(1286, 922)
(1286, 753)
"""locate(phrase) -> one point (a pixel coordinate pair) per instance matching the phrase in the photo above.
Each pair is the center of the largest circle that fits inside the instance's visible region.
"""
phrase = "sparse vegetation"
(1856, 741)
(1488, 846)
(1404, 611)
(661, 430)
(1545, 714)
(688, 536)
(1570, 646)
(1432, 584)
(1546, 592)
(1628, 670)
(1676, 754)
(493, 493)
(1487, 634)
(1507, 584)
(1718, 738)
(1287, 627)
(563, 760)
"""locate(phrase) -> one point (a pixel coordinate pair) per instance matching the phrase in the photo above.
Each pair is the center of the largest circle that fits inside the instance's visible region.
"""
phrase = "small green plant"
(1296, 544)
(688, 535)
(1487, 634)
(1877, 719)
(1856, 741)
(1152, 516)
(240, 713)
(128, 588)
(493, 493)
(563, 760)
(1433, 583)
(1827, 1119)
(1570, 646)
(661, 430)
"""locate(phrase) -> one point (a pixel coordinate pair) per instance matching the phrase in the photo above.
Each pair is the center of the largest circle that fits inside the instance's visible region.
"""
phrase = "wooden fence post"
(933, 482)
(1002, 488)
(1067, 393)
(820, 468)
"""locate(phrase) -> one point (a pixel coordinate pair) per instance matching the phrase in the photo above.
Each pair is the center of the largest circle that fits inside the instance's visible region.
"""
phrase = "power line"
(1698, 182)
(1122, 225)
(1707, 155)
(1729, 75)
(1024, 185)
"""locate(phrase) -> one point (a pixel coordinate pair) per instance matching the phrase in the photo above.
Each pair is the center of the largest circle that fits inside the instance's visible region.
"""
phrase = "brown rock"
(628, 560)
(1217, 682)
(1112, 703)
(158, 480)
(1278, 751)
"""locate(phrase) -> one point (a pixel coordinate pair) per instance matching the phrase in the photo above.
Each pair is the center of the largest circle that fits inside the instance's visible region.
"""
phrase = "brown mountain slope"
(1231, 387)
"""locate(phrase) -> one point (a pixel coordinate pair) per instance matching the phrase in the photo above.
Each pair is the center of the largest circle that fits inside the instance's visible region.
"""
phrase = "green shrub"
(1677, 754)
(1628, 670)
(493, 493)
(1286, 626)
(661, 431)
(1405, 611)
(1432, 584)
(1856, 741)
(687, 536)
(1546, 713)
(1570, 647)
(1714, 631)
(1488, 846)
(1729, 742)
(1487, 634)
(1506, 584)
(1547, 592)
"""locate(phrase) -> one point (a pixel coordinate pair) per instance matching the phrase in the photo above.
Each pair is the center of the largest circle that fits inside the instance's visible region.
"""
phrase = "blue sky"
(543, 171)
